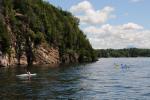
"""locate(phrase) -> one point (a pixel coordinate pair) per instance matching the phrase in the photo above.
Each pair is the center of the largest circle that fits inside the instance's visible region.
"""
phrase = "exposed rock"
(42, 55)
(46, 55)
(3, 60)
(70, 58)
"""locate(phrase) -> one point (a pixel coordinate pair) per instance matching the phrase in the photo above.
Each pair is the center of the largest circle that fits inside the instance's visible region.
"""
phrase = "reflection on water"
(95, 81)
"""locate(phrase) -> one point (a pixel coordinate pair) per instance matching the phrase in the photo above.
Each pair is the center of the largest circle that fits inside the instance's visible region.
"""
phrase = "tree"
(4, 38)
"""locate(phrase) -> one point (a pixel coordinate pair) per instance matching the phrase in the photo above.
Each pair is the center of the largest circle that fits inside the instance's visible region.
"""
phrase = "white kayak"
(26, 75)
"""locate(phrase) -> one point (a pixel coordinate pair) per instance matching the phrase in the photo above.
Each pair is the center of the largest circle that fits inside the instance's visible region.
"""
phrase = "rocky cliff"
(36, 32)
(43, 55)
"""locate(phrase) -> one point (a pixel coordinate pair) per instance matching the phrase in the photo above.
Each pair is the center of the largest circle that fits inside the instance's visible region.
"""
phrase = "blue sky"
(137, 11)
(129, 17)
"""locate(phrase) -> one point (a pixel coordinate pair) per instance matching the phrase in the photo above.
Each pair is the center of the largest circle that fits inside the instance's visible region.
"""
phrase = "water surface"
(102, 80)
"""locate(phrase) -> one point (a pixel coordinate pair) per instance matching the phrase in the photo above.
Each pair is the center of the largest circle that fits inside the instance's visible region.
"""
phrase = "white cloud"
(87, 14)
(120, 36)
(131, 26)
(103, 35)
(82, 6)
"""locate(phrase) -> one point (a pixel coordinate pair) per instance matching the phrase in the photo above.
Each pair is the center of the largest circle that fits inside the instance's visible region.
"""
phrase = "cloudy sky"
(112, 23)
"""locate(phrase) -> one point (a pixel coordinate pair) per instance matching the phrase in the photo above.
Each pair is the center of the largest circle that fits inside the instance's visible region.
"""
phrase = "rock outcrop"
(42, 55)
(46, 55)
(70, 58)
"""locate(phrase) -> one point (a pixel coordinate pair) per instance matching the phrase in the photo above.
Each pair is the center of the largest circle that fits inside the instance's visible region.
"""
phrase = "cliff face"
(43, 55)
(36, 32)
(46, 55)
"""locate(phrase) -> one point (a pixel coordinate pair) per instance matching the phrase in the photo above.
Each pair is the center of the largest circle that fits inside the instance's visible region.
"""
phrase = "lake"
(105, 79)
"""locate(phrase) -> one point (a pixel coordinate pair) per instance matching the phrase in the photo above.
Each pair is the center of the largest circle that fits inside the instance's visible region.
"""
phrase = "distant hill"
(36, 32)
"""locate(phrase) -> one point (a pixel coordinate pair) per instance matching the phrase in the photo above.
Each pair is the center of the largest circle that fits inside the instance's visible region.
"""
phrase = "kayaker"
(29, 75)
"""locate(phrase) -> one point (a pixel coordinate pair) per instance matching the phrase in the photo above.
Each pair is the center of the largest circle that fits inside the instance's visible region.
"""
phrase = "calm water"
(103, 80)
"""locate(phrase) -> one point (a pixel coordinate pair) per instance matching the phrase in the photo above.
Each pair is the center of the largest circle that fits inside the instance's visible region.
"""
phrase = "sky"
(111, 23)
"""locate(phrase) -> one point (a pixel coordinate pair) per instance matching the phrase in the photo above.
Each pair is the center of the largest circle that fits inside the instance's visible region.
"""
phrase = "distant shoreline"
(129, 52)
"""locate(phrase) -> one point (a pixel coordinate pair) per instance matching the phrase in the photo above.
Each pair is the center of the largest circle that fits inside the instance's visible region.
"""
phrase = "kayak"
(26, 75)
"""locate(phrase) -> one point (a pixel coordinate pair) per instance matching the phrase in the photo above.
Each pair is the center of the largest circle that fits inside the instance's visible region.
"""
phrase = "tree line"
(128, 52)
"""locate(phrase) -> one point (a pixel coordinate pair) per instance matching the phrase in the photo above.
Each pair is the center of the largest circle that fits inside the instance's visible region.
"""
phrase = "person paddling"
(29, 75)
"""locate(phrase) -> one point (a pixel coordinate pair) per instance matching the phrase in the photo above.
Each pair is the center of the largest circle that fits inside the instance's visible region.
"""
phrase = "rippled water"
(102, 80)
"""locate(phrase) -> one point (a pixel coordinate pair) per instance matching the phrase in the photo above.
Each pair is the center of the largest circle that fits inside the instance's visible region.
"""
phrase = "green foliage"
(38, 38)
(4, 38)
